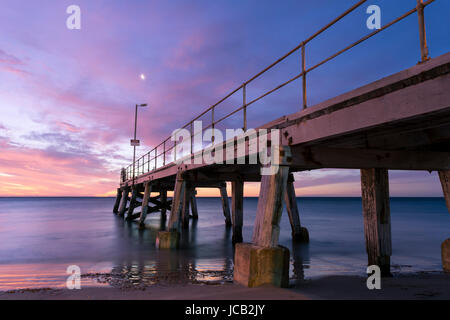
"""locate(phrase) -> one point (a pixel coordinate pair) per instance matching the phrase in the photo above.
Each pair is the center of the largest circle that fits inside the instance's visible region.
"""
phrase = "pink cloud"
(10, 63)
(32, 172)
(67, 126)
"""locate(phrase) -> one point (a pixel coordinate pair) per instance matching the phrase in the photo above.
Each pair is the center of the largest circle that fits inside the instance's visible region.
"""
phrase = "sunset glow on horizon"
(67, 97)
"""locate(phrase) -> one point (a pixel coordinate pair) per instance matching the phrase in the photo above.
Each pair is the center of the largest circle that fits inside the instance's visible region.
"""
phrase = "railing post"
(422, 32)
(156, 157)
(304, 76)
(212, 126)
(175, 151)
(244, 104)
(164, 154)
(192, 140)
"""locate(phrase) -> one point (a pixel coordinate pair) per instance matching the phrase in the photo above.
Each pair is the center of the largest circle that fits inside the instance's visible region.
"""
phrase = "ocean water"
(41, 237)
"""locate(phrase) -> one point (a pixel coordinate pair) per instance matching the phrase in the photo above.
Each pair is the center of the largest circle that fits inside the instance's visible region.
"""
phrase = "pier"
(400, 122)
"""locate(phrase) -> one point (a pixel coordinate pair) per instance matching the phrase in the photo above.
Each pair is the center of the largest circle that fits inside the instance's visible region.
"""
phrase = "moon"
(142, 76)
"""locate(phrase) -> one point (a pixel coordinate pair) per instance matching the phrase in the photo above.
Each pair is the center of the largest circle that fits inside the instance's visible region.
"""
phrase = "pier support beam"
(123, 202)
(145, 200)
(445, 250)
(264, 261)
(444, 176)
(377, 217)
(193, 199)
(237, 209)
(177, 202)
(186, 199)
(117, 203)
(270, 206)
(133, 202)
(163, 198)
(171, 239)
(299, 233)
(225, 205)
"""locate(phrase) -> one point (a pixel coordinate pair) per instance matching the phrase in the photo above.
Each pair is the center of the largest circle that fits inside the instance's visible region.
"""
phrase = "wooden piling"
(193, 199)
(237, 205)
(134, 191)
(298, 233)
(270, 203)
(123, 202)
(186, 198)
(225, 205)
(117, 203)
(177, 202)
(377, 217)
(163, 198)
(145, 200)
(444, 176)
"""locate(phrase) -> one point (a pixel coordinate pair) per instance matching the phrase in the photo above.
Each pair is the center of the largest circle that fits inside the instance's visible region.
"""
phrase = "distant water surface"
(41, 237)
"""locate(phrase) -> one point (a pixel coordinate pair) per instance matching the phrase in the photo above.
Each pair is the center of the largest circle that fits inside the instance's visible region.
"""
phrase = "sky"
(67, 97)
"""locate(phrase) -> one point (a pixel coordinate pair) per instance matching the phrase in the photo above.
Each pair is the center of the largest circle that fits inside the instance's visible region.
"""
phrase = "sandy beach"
(421, 286)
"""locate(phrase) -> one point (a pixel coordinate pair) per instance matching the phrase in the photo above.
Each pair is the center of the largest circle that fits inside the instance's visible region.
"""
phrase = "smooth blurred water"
(41, 237)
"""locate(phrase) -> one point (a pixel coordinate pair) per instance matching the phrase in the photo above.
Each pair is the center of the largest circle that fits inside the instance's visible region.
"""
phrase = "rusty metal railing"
(155, 159)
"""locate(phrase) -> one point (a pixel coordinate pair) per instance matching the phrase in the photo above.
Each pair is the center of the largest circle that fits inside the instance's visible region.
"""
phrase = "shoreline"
(418, 286)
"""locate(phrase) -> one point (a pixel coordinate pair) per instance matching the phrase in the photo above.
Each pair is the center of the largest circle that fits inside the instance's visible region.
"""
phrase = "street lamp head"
(142, 105)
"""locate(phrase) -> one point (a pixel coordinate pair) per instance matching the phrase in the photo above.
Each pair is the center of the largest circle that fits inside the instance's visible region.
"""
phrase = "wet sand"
(422, 286)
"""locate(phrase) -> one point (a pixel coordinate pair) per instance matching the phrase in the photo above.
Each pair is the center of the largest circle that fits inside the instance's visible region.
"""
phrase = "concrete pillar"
(117, 203)
(193, 199)
(264, 261)
(444, 176)
(298, 232)
(145, 200)
(377, 217)
(168, 240)
(237, 206)
(123, 202)
(225, 205)
(255, 266)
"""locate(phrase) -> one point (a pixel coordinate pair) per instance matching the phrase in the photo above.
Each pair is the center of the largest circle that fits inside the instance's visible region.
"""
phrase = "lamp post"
(135, 142)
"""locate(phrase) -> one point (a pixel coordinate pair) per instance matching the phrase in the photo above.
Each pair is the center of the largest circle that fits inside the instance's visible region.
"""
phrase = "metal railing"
(155, 159)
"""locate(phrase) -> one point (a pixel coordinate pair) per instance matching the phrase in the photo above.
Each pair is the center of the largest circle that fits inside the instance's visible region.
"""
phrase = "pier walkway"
(400, 122)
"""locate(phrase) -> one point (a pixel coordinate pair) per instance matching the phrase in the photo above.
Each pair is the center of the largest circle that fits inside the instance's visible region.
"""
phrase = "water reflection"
(299, 261)
(203, 257)
(168, 269)
(37, 245)
(145, 265)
